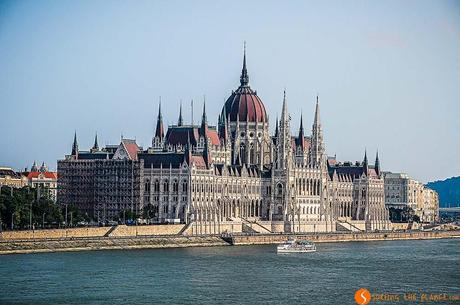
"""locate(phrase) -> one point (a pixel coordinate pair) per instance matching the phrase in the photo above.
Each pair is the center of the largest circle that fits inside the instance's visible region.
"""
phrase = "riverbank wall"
(124, 238)
(107, 243)
(263, 239)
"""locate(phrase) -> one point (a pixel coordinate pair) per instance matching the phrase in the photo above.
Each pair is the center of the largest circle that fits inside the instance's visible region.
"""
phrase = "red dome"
(245, 103)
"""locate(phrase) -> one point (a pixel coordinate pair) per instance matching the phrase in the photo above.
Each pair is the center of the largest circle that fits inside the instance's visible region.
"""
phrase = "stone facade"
(233, 176)
(403, 192)
(43, 180)
(10, 178)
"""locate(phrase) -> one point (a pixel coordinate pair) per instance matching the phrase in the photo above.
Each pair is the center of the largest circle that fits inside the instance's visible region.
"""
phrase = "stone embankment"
(171, 236)
(261, 239)
(107, 243)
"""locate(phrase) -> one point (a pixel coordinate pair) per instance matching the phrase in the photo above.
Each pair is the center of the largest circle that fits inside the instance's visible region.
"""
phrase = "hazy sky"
(387, 73)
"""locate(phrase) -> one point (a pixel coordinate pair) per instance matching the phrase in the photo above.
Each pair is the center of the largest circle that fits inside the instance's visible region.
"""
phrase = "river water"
(233, 275)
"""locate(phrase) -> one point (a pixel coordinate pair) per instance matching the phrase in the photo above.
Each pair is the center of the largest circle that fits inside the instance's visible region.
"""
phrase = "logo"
(362, 296)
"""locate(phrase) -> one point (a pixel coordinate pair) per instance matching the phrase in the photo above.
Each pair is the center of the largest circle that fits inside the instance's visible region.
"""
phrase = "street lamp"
(66, 215)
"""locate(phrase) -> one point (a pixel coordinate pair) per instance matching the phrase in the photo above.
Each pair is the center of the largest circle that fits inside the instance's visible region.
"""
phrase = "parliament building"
(232, 177)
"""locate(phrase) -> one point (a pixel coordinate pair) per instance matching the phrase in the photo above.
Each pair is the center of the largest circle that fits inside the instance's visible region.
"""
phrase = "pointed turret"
(377, 163)
(284, 137)
(284, 113)
(365, 163)
(301, 137)
(317, 119)
(244, 78)
(317, 153)
(204, 122)
(207, 154)
(180, 121)
(96, 145)
(34, 167)
(43, 168)
(75, 146)
(159, 131)
(276, 128)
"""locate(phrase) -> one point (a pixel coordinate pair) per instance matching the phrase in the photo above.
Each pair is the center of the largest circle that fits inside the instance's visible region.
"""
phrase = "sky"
(387, 73)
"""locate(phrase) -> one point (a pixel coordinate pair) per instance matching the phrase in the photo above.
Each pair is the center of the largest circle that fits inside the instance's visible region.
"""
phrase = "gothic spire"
(301, 133)
(244, 79)
(34, 167)
(206, 153)
(204, 118)
(276, 128)
(377, 163)
(317, 119)
(159, 132)
(180, 122)
(365, 163)
(317, 153)
(75, 145)
(284, 113)
(96, 145)
(204, 121)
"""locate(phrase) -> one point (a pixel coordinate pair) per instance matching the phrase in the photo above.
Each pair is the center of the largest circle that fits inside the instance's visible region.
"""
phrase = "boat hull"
(295, 251)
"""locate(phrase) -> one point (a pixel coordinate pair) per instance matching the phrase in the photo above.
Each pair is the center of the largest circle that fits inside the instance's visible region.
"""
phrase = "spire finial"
(365, 163)
(159, 131)
(244, 79)
(284, 113)
(377, 163)
(180, 122)
(204, 118)
(160, 116)
(276, 127)
(75, 145)
(317, 118)
(96, 145)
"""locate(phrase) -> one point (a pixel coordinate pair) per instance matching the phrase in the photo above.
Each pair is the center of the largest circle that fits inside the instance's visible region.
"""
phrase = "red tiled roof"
(212, 134)
(131, 148)
(48, 175)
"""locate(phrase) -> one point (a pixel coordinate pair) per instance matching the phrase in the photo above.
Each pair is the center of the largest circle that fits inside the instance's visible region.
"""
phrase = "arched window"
(175, 186)
(147, 186)
(156, 186)
(279, 189)
(166, 186)
(184, 186)
(251, 154)
(243, 153)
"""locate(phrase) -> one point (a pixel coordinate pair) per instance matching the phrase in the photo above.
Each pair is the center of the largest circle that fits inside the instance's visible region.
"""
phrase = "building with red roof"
(217, 178)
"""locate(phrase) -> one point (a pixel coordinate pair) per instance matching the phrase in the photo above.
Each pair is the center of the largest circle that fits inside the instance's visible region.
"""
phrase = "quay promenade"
(171, 236)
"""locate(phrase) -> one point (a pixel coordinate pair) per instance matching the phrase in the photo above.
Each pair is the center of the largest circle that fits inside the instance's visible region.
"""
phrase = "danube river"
(232, 275)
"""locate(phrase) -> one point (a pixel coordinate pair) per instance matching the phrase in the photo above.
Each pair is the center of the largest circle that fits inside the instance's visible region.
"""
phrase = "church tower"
(317, 154)
(284, 145)
(157, 141)
(75, 146)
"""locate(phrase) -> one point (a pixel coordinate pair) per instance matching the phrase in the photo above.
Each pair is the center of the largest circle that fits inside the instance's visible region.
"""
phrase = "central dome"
(244, 104)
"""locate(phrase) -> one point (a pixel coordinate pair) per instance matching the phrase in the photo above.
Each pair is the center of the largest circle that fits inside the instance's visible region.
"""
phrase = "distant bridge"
(452, 209)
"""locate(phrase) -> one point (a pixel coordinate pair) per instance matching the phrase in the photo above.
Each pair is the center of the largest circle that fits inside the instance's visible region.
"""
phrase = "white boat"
(296, 246)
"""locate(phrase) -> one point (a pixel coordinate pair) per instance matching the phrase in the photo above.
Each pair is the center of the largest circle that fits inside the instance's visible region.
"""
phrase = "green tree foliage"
(16, 206)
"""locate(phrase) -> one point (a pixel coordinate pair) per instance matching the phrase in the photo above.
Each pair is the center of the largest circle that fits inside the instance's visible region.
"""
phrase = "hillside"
(448, 190)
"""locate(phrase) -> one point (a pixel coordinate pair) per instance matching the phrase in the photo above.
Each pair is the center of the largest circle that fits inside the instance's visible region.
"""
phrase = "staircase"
(107, 234)
(254, 227)
(185, 228)
(346, 226)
